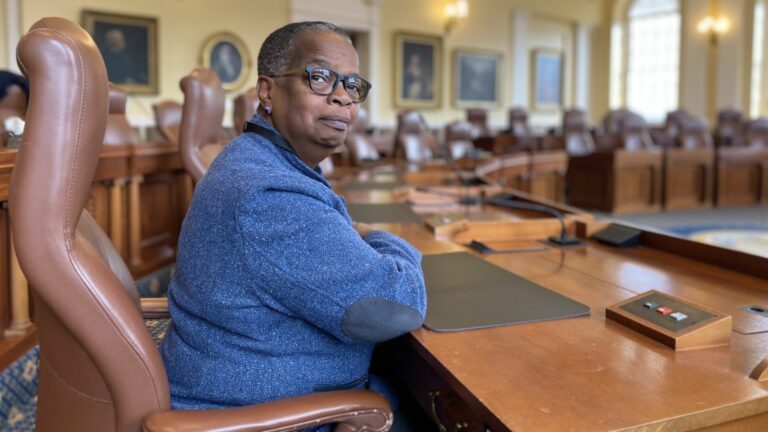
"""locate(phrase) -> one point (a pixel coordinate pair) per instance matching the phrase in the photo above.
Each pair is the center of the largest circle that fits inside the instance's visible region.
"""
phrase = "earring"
(267, 110)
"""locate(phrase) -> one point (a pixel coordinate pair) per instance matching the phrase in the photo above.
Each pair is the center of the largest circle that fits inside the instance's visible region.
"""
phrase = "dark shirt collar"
(270, 133)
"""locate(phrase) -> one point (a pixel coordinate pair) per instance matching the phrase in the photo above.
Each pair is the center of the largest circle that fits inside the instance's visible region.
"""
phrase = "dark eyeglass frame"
(339, 78)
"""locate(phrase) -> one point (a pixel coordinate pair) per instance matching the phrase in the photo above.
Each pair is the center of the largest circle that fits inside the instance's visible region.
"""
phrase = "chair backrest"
(168, 119)
(458, 138)
(578, 140)
(612, 120)
(756, 133)
(674, 122)
(518, 122)
(245, 106)
(478, 118)
(14, 104)
(203, 111)
(100, 369)
(694, 134)
(358, 141)
(119, 131)
(414, 138)
(634, 133)
(728, 131)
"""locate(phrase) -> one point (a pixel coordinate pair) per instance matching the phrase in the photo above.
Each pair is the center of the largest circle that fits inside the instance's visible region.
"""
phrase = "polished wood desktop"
(588, 373)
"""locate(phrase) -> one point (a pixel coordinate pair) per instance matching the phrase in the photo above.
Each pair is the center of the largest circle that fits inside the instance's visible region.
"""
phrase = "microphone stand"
(510, 202)
(466, 199)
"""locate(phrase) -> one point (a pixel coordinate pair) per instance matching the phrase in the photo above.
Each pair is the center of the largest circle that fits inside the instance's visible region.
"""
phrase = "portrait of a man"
(226, 61)
(418, 80)
(128, 46)
(476, 78)
(228, 56)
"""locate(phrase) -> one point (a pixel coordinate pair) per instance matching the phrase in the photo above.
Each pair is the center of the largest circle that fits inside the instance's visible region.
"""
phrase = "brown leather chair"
(518, 136)
(674, 123)
(693, 133)
(576, 135)
(99, 367)
(478, 118)
(168, 119)
(245, 106)
(202, 114)
(119, 131)
(728, 131)
(634, 133)
(359, 143)
(458, 139)
(414, 141)
(756, 133)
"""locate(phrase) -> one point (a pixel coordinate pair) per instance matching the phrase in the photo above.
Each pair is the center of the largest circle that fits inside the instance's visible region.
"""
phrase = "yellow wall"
(486, 28)
(183, 27)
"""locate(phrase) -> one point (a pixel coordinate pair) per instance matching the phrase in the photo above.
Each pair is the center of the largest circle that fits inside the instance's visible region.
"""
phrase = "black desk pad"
(382, 213)
(465, 292)
(694, 314)
(372, 185)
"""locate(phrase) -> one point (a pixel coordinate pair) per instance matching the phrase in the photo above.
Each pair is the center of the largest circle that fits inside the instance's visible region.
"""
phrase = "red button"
(664, 310)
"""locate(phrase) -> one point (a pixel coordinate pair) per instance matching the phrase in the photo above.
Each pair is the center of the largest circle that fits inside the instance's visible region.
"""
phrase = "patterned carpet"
(740, 228)
(18, 383)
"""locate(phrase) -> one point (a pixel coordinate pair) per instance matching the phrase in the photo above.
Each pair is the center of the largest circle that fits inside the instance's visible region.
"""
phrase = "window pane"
(653, 66)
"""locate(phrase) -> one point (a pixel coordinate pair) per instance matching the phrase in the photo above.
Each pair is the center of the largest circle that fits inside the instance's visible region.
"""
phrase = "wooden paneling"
(741, 176)
(688, 178)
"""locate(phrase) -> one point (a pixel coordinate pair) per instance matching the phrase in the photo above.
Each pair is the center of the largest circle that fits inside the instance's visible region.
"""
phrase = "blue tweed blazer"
(275, 294)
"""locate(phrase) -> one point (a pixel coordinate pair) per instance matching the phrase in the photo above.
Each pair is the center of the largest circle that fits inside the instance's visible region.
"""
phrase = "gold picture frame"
(228, 56)
(418, 70)
(476, 78)
(128, 44)
(547, 68)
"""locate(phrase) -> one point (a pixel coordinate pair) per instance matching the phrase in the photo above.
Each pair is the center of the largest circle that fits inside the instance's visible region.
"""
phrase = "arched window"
(653, 58)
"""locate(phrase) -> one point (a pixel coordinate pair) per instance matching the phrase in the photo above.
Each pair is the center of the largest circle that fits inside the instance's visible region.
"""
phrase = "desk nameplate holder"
(703, 327)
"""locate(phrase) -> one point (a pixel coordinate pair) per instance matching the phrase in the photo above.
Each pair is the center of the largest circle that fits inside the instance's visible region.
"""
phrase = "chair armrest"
(354, 410)
(154, 307)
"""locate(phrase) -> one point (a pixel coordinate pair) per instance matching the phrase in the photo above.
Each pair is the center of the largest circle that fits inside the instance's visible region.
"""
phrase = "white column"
(581, 92)
(12, 26)
(519, 62)
(373, 59)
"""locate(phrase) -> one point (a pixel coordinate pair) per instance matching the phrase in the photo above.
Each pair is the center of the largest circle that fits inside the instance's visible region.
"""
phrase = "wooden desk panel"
(590, 373)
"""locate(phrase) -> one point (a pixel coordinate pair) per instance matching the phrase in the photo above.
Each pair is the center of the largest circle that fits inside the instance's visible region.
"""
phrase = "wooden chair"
(246, 105)
(478, 118)
(458, 139)
(14, 104)
(168, 119)
(518, 136)
(202, 114)
(100, 369)
(728, 131)
(414, 141)
(359, 143)
(577, 138)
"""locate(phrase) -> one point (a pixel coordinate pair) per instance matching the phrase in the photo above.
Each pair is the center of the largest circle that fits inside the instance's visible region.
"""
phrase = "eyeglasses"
(324, 81)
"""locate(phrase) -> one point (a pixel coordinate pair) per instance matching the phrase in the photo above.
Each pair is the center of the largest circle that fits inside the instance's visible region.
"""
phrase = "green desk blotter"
(382, 213)
(372, 185)
(466, 292)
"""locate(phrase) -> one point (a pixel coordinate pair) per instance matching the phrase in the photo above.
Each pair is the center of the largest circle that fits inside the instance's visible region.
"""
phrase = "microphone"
(466, 199)
(508, 200)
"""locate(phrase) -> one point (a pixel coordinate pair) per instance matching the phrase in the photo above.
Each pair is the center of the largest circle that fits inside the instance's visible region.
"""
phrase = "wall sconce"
(454, 11)
(714, 27)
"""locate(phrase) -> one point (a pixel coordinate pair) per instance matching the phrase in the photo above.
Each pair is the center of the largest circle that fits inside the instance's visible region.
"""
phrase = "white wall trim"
(12, 32)
(519, 63)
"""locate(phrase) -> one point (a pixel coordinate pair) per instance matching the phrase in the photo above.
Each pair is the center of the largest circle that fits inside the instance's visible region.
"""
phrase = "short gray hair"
(277, 51)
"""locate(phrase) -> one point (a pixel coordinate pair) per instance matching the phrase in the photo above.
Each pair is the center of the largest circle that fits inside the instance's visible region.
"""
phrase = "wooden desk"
(592, 374)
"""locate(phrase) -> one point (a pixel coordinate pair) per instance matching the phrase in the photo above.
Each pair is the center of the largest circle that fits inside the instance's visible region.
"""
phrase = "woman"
(274, 283)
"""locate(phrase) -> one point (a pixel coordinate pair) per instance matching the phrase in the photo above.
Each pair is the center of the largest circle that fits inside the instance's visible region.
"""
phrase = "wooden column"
(134, 219)
(20, 321)
(116, 215)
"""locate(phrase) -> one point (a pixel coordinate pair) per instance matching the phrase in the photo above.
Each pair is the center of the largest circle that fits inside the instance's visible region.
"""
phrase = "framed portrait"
(547, 73)
(476, 78)
(128, 45)
(417, 70)
(228, 56)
